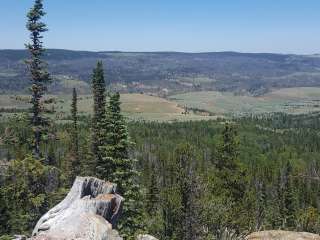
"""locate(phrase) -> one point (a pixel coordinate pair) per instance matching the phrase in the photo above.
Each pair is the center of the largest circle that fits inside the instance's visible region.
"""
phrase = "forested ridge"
(254, 73)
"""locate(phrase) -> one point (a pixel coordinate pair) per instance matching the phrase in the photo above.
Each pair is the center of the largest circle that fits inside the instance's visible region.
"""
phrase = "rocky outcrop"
(282, 235)
(89, 211)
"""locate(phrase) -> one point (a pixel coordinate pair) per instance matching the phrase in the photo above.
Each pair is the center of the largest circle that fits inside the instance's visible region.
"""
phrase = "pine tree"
(40, 76)
(74, 156)
(289, 198)
(99, 110)
(226, 182)
(152, 194)
(117, 166)
(228, 149)
(74, 114)
(189, 217)
(152, 201)
(261, 204)
(280, 201)
(169, 199)
(228, 169)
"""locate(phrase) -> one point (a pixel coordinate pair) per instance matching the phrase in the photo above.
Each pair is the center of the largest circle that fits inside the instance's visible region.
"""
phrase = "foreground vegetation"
(251, 174)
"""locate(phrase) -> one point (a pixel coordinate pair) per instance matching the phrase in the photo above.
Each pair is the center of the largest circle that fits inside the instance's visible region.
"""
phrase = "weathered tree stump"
(89, 211)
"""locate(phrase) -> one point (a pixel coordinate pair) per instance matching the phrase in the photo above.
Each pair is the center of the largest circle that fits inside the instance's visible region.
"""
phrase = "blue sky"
(281, 26)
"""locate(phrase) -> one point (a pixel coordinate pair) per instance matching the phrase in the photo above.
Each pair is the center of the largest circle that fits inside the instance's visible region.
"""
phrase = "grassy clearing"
(135, 106)
(289, 100)
(145, 107)
(14, 101)
(301, 93)
(151, 108)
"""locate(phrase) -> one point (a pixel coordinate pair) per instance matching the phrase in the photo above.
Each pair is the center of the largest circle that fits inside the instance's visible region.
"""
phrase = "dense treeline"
(200, 178)
(269, 178)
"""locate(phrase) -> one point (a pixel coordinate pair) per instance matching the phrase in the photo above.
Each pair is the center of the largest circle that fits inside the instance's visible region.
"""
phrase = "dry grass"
(289, 100)
(134, 106)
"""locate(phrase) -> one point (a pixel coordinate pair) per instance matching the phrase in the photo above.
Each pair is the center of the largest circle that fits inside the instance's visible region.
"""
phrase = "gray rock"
(282, 235)
(89, 211)
(145, 237)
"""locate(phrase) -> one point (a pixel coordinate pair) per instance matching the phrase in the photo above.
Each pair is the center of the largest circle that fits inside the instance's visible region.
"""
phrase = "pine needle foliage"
(25, 196)
(39, 75)
(117, 166)
(74, 148)
(99, 110)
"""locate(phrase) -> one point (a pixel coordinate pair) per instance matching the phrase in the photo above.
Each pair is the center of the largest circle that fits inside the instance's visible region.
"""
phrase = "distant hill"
(167, 72)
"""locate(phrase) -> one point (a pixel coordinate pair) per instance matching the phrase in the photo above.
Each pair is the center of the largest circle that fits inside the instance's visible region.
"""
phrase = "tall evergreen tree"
(261, 204)
(39, 75)
(226, 185)
(169, 199)
(152, 200)
(99, 110)
(189, 211)
(74, 115)
(152, 194)
(74, 156)
(288, 198)
(228, 149)
(228, 169)
(117, 166)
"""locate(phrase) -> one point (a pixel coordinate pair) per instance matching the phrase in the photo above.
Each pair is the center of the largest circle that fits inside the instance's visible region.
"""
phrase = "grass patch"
(134, 106)
(289, 100)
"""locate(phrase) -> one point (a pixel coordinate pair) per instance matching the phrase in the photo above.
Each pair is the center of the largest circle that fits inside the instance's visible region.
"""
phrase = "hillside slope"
(171, 71)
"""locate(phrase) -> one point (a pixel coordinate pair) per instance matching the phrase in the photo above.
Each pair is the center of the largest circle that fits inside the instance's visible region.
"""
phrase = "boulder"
(282, 235)
(145, 237)
(89, 211)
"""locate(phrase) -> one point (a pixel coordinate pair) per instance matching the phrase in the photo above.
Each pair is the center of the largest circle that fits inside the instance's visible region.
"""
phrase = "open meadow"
(134, 106)
(201, 105)
(289, 100)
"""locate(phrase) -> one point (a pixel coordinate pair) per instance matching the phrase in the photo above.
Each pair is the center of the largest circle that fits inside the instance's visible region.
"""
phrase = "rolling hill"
(166, 73)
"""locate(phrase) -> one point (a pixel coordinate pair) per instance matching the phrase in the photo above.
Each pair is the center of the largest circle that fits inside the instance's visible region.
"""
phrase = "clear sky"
(281, 26)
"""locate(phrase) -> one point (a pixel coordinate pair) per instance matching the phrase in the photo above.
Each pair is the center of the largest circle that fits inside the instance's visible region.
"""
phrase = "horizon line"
(165, 51)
